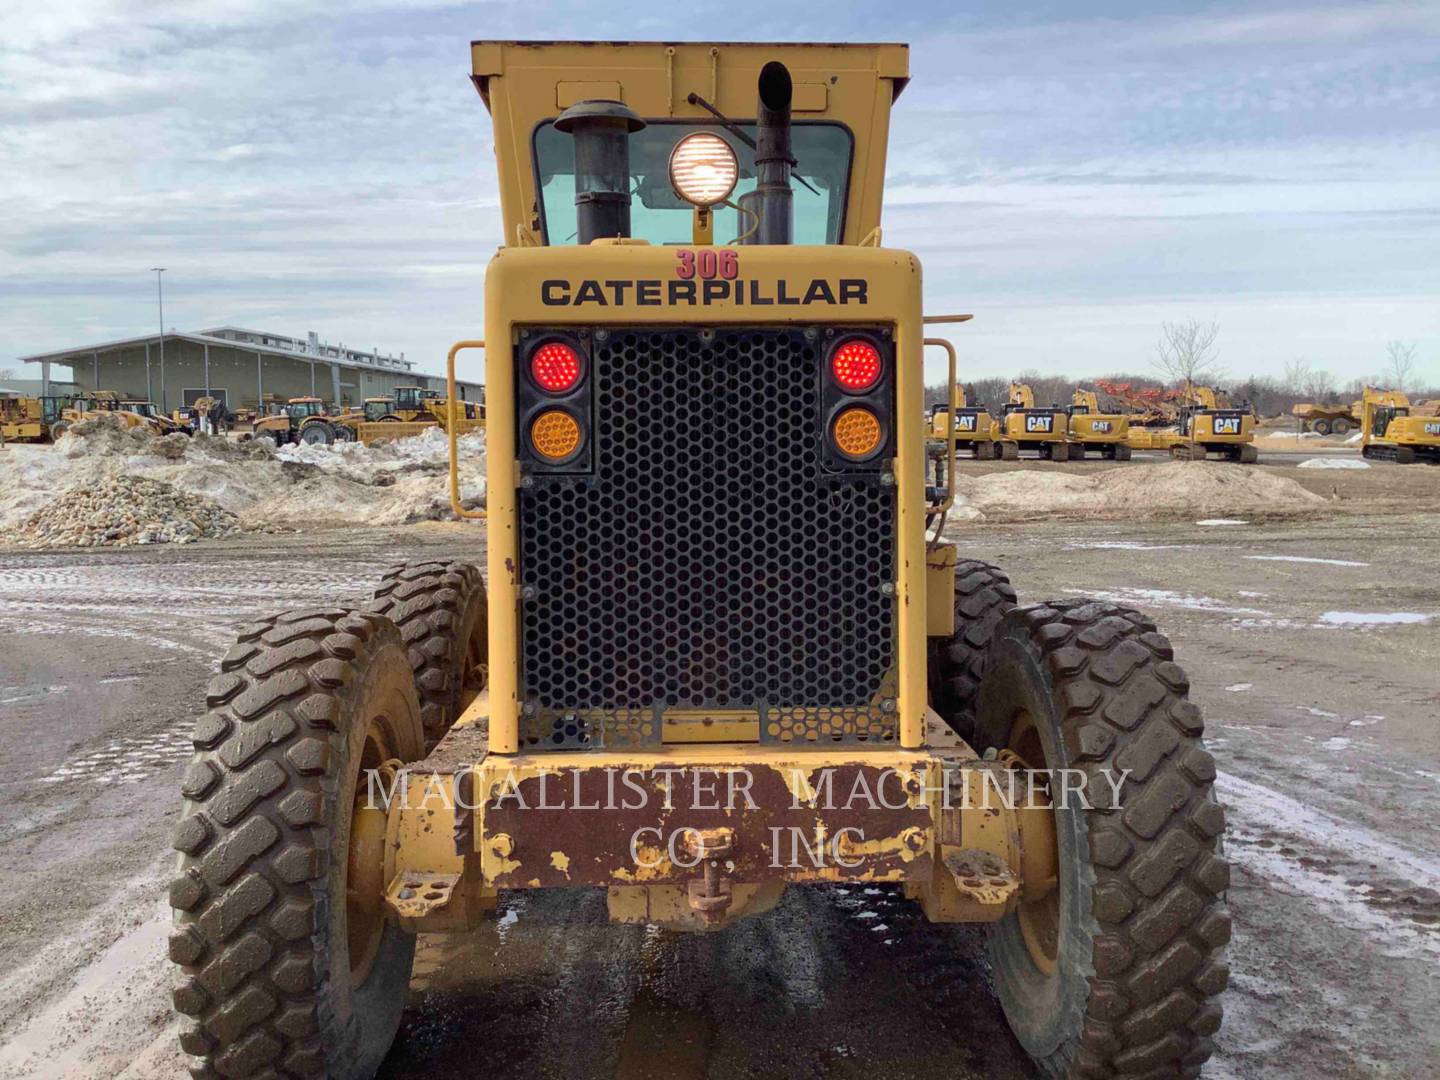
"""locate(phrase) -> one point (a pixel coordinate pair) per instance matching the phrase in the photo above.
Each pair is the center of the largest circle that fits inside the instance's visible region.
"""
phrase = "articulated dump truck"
(720, 646)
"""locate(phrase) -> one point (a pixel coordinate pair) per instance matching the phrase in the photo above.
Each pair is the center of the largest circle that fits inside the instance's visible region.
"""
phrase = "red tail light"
(555, 367)
(856, 366)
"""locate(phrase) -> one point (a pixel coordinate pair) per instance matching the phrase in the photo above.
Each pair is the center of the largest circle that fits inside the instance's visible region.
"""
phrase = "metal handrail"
(452, 429)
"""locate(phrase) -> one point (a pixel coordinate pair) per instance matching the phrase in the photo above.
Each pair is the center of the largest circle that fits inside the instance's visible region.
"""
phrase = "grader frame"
(590, 714)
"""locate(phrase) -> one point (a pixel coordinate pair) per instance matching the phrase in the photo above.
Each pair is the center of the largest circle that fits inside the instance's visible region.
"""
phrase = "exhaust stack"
(773, 199)
(601, 132)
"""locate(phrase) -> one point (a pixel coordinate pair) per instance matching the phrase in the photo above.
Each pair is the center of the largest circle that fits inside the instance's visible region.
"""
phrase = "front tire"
(440, 608)
(1115, 972)
(281, 974)
(318, 434)
(983, 595)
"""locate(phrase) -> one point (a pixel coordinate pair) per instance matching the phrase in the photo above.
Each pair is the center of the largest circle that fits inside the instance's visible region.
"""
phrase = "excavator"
(1392, 430)
(1092, 428)
(1044, 430)
(1209, 424)
(975, 429)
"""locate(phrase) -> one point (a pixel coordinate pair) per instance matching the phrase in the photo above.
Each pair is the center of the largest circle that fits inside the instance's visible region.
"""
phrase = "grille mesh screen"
(708, 563)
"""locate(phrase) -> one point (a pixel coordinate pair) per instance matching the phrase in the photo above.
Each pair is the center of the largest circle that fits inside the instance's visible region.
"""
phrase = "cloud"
(1074, 173)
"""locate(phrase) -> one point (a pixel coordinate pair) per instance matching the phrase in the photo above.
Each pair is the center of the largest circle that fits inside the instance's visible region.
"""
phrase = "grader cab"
(725, 648)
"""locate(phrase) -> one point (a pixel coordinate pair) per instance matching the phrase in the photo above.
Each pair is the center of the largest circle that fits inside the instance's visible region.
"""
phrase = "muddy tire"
(1340, 426)
(440, 608)
(983, 594)
(278, 976)
(318, 434)
(57, 429)
(1321, 426)
(1119, 975)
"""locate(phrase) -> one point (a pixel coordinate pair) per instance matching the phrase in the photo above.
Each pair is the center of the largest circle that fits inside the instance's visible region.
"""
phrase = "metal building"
(241, 366)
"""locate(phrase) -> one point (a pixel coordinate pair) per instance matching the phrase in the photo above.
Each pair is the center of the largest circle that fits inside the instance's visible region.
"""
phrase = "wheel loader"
(721, 646)
(1091, 428)
(1390, 430)
(1042, 430)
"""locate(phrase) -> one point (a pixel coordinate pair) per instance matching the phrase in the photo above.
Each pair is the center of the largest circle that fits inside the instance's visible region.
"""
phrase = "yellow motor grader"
(721, 646)
(1043, 430)
(1091, 428)
(1390, 430)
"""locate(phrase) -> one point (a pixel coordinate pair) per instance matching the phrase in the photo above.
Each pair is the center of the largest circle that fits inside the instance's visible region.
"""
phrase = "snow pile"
(1333, 463)
(305, 487)
(124, 510)
(1169, 489)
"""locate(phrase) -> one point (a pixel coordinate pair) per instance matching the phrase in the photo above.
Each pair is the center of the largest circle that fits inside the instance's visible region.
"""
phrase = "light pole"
(160, 300)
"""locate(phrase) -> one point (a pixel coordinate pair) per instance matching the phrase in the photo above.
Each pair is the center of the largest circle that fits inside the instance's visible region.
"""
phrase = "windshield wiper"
(738, 132)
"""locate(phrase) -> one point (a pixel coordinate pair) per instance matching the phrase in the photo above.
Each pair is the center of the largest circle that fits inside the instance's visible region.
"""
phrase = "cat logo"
(1227, 425)
(1432, 429)
(965, 423)
(1039, 423)
(1100, 425)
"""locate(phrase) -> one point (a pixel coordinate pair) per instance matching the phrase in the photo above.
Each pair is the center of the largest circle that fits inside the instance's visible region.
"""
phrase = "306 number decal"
(708, 263)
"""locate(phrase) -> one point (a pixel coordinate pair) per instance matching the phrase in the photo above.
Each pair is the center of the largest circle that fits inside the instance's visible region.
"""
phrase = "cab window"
(822, 151)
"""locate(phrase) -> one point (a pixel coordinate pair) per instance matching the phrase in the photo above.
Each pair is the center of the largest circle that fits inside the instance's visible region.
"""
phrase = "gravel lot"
(1312, 646)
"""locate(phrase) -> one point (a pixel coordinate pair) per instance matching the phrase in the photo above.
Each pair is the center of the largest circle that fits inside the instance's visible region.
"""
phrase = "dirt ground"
(1311, 643)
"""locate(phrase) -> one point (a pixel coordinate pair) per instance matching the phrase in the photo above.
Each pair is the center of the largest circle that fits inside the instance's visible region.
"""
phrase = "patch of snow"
(1374, 618)
(1239, 687)
(1318, 712)
(1335, 743)
(1333, 463)
(1356, 437)
(1304, 559)
(1222, 521)
(1251, 595)
(1166, 598)
(1120, 545)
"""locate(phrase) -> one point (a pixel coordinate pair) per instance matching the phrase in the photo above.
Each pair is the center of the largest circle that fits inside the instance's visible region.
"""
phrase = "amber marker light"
(555, 435)
(857, 433)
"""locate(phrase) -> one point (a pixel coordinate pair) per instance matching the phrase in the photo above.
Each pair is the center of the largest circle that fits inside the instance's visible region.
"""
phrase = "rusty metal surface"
(548, 829)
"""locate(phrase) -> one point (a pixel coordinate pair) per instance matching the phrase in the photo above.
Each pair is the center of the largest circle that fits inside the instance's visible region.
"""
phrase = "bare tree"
(1401, 357)
(1186, 351)
(1297, 374)
(1320, 387)
(6, 374)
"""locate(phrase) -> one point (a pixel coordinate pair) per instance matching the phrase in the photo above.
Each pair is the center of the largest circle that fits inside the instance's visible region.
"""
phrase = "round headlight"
(703, 169)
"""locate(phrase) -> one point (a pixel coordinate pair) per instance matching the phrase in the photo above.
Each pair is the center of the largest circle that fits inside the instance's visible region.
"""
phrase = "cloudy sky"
(1074, 173)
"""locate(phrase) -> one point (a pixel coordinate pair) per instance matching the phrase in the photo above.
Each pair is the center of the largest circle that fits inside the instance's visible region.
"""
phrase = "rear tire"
(440, 608)
(983, 594)
(278, 976)
(58, 429)
(1340, 427)
(1321, 427)
(1117, 971)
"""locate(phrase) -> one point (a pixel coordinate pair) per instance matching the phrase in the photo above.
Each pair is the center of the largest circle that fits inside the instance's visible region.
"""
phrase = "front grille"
(710, 561)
